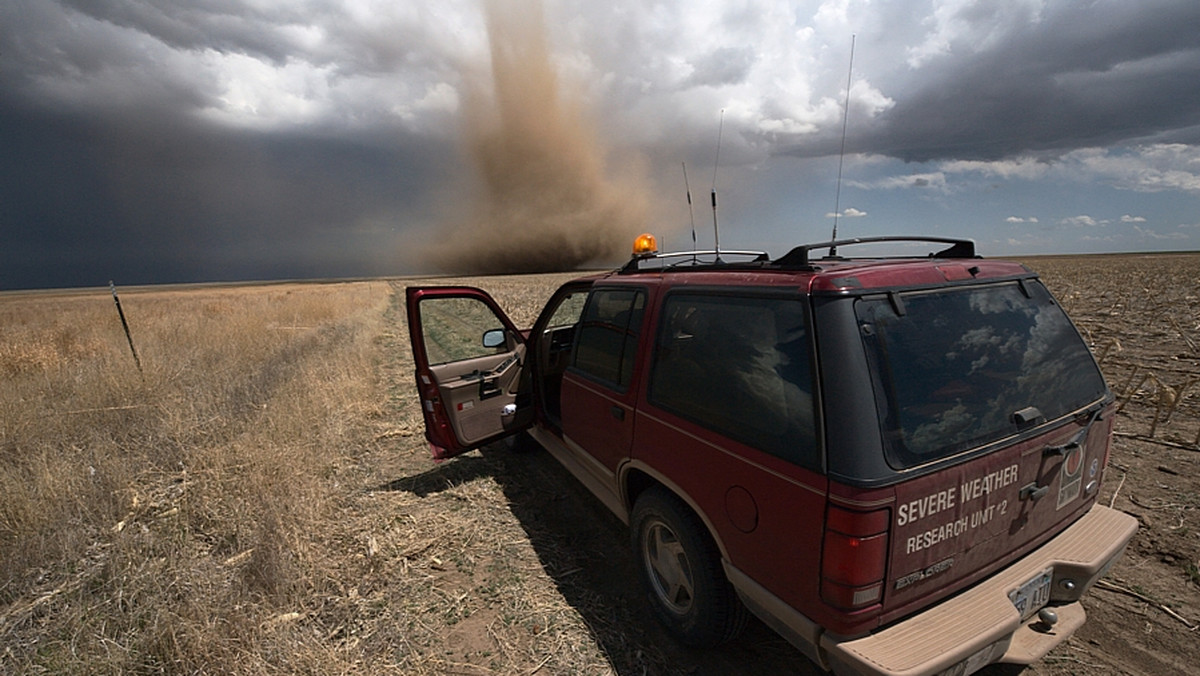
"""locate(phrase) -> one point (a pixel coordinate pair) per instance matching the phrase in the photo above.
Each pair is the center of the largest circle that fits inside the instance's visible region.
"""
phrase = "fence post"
(125, 325)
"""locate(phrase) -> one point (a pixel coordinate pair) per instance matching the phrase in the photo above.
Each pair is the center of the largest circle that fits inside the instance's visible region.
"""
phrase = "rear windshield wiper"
(1077, 440)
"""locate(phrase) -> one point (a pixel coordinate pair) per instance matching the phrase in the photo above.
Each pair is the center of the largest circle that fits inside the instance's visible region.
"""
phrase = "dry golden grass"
(259, 500)
(156, 521)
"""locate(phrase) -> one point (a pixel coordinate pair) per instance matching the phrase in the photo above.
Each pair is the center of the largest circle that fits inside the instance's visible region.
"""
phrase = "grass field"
(259, 498)
(163, 520)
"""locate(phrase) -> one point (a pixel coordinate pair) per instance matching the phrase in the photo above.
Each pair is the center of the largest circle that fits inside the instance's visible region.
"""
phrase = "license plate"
(1031, 596)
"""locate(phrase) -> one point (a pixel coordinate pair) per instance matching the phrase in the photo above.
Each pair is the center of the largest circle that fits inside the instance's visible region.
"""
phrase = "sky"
(155, 141)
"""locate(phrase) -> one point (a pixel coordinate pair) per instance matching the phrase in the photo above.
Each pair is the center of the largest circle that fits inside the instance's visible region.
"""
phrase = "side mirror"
(493, 338)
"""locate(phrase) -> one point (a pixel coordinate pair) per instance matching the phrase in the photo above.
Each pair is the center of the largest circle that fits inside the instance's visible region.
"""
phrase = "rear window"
(954, 366)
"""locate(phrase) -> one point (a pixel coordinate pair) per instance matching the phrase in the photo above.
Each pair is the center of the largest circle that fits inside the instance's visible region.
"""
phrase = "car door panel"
(469, 387)
(597, 395)
(474, 390)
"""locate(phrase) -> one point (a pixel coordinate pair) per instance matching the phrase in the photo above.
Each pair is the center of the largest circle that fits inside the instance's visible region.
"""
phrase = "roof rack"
(799, 256)
(692, 259)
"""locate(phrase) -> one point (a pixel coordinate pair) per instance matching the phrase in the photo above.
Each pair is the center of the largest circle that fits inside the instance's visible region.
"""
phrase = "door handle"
(617, 412)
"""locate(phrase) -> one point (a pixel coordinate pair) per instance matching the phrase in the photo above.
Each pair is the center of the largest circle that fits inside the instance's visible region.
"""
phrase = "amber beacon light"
(645, 244)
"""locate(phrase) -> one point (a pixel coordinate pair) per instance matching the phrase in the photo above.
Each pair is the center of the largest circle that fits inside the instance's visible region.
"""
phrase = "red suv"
(893, 462)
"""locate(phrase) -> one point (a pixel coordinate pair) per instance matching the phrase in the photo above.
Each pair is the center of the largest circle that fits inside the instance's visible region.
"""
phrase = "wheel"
(681, 569)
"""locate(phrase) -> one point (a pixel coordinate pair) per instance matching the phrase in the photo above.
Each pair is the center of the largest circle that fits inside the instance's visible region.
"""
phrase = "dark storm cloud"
(88, 199)
(114, 167)
(203, 24)
(1077, 78)
(48, 48)
(317, 31)
(131, 51)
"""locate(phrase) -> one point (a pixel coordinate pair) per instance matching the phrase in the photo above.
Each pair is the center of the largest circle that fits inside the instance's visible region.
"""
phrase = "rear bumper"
(980, 625)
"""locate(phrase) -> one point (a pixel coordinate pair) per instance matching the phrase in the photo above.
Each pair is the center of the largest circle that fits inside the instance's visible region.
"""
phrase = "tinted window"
(739, 366)
(955, 365)
(453, 328)
(568, 311)
(607, 341)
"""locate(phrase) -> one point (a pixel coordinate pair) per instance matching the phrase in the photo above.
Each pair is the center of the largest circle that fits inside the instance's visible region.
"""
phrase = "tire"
(681, 570)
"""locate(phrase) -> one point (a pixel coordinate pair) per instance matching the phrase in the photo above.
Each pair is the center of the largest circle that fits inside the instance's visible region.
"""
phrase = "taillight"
(854, 557)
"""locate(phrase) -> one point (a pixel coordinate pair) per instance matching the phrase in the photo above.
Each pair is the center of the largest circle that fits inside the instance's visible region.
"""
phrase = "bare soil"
(1141, 315)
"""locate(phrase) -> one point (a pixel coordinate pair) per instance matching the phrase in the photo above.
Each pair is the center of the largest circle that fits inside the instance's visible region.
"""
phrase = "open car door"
(469, 358)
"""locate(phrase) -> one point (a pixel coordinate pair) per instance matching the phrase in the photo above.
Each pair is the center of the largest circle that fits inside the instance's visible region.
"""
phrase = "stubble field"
(259, 498)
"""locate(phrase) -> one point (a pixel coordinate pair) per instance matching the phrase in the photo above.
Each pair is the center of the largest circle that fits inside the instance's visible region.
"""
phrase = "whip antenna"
(716, 162)
(691, 214)
(837, 200)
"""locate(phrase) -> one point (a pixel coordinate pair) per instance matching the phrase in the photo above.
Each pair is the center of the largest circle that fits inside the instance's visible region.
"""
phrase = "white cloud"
(849, 212)
(973, 25)
(661, 72)
(1028, 168)
(1132, 219)
(1019, 219)
(270, 67)
(932, 180)
(1152, 168)
(1083, 221)
(1151, 234)
(256, 93)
